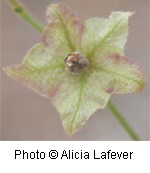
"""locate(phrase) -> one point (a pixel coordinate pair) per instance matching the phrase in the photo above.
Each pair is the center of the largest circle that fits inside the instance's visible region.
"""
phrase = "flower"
(79, 65)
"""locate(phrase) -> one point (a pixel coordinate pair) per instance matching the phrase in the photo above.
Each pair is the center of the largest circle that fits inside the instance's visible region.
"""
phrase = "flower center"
(75, 63)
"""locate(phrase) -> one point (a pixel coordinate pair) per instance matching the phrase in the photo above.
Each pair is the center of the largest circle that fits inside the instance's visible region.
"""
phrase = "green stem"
(123, 121)
(18, 8)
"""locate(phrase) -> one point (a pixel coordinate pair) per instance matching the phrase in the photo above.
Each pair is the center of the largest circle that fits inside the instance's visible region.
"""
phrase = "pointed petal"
(102, 37)
(63, 30)
(118, 75)
(77, 99)
(39, 71)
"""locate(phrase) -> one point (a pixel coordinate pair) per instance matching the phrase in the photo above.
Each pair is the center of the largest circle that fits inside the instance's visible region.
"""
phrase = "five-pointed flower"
(79, 65)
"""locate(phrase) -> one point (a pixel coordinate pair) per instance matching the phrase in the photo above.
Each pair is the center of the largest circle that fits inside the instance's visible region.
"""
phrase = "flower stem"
(20, 9)
(122, 121)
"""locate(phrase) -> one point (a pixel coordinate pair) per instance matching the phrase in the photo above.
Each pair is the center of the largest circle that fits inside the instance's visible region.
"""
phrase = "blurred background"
(27, 116)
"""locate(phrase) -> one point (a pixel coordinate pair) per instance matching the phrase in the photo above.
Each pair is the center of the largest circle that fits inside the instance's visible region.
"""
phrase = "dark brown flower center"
(76, 63)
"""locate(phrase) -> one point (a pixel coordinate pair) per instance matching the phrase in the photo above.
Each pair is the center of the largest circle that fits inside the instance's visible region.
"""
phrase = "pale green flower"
(79, 65)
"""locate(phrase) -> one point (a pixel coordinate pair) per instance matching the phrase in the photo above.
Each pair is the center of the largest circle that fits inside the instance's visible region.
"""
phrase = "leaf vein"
(119, 74)
(105, 38)
(66, 32)
(79, 100)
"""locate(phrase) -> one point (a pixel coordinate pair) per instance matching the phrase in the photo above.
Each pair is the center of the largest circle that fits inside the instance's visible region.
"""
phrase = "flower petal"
(77, 99)
(102, 37)
(63, 30)
(39, 71)
(118, 75)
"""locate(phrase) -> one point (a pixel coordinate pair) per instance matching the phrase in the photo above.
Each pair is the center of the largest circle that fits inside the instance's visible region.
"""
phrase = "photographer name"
(72, 154)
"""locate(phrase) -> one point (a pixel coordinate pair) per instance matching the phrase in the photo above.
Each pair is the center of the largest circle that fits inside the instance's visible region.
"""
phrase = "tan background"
(27, 116)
